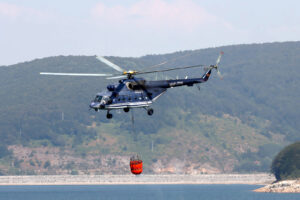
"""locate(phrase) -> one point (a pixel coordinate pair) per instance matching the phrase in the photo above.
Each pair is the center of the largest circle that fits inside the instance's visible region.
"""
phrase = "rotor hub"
(129, 73)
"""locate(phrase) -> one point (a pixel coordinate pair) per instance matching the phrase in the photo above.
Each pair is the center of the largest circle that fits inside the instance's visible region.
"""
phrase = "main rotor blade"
(206, 68)
(157, 65)
(72, 74)
(171, 69)
(117, 77)
(170, 60)
(110, 64)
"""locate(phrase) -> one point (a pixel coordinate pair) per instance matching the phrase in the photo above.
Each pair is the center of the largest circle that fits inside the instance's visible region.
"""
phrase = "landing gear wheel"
(126, 109)
(109, 115)
(150, 111)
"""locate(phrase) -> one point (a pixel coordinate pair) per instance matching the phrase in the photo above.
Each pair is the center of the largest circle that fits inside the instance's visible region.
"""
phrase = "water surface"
(138, 192)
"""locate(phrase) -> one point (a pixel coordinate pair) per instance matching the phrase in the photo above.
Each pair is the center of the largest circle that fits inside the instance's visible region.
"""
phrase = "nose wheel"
(126, 109)
(109, 115)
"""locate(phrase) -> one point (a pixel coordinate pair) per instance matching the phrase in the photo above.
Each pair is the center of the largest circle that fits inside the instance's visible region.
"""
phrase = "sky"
(31, 29)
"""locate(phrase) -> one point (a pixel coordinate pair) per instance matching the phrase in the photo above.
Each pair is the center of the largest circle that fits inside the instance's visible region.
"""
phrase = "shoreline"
(144, 179)
(285, 186)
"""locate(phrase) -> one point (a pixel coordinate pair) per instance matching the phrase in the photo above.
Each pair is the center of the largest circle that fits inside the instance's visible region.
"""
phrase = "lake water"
(132, 192)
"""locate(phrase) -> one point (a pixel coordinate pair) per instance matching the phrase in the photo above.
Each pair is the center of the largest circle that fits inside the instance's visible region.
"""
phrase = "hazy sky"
(32, 29)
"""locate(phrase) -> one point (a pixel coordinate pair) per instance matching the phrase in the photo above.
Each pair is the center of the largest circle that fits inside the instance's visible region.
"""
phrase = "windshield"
(98, 98)
(105, 99)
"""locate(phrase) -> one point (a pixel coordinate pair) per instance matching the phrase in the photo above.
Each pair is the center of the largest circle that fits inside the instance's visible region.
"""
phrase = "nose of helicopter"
(97, 105)
(94, 105)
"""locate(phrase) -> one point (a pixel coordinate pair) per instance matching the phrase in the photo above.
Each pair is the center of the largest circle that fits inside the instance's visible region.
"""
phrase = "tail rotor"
(216, 66)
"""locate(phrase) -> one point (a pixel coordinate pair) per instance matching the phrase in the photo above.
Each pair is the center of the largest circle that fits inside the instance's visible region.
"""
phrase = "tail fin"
(206, 76)
(216, 67)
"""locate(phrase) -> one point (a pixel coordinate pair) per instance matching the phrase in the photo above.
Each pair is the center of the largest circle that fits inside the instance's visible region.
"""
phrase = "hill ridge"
(251, 104)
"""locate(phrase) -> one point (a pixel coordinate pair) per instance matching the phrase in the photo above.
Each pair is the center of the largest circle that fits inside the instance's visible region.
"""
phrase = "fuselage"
(131, 99)
(128, 93)
(137, 92)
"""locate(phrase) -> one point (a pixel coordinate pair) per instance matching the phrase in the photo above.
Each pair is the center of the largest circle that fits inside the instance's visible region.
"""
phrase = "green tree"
(4, 151)
(47, 164)
(286, 164)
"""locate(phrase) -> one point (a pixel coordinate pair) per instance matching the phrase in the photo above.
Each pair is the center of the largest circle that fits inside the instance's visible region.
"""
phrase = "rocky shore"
(288, 186)
(141, 179)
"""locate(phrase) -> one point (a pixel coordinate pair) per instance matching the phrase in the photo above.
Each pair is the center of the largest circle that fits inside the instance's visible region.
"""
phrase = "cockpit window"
(98, 98)
(105, 99)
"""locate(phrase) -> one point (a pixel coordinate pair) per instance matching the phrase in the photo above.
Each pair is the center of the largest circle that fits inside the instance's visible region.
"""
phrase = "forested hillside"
(286, 164)
(235, 124)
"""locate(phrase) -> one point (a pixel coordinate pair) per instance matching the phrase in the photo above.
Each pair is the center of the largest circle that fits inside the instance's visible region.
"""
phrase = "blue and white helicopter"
(132, 92)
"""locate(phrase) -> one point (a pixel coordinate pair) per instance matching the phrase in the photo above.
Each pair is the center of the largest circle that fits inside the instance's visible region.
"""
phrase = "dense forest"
(238, 123)
(286, 164)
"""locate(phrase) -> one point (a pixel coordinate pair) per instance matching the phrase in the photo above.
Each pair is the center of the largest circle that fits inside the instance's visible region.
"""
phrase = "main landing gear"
(109, 115)
(150, 111)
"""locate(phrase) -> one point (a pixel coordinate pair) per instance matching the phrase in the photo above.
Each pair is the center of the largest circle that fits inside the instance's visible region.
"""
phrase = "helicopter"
(135, 92)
